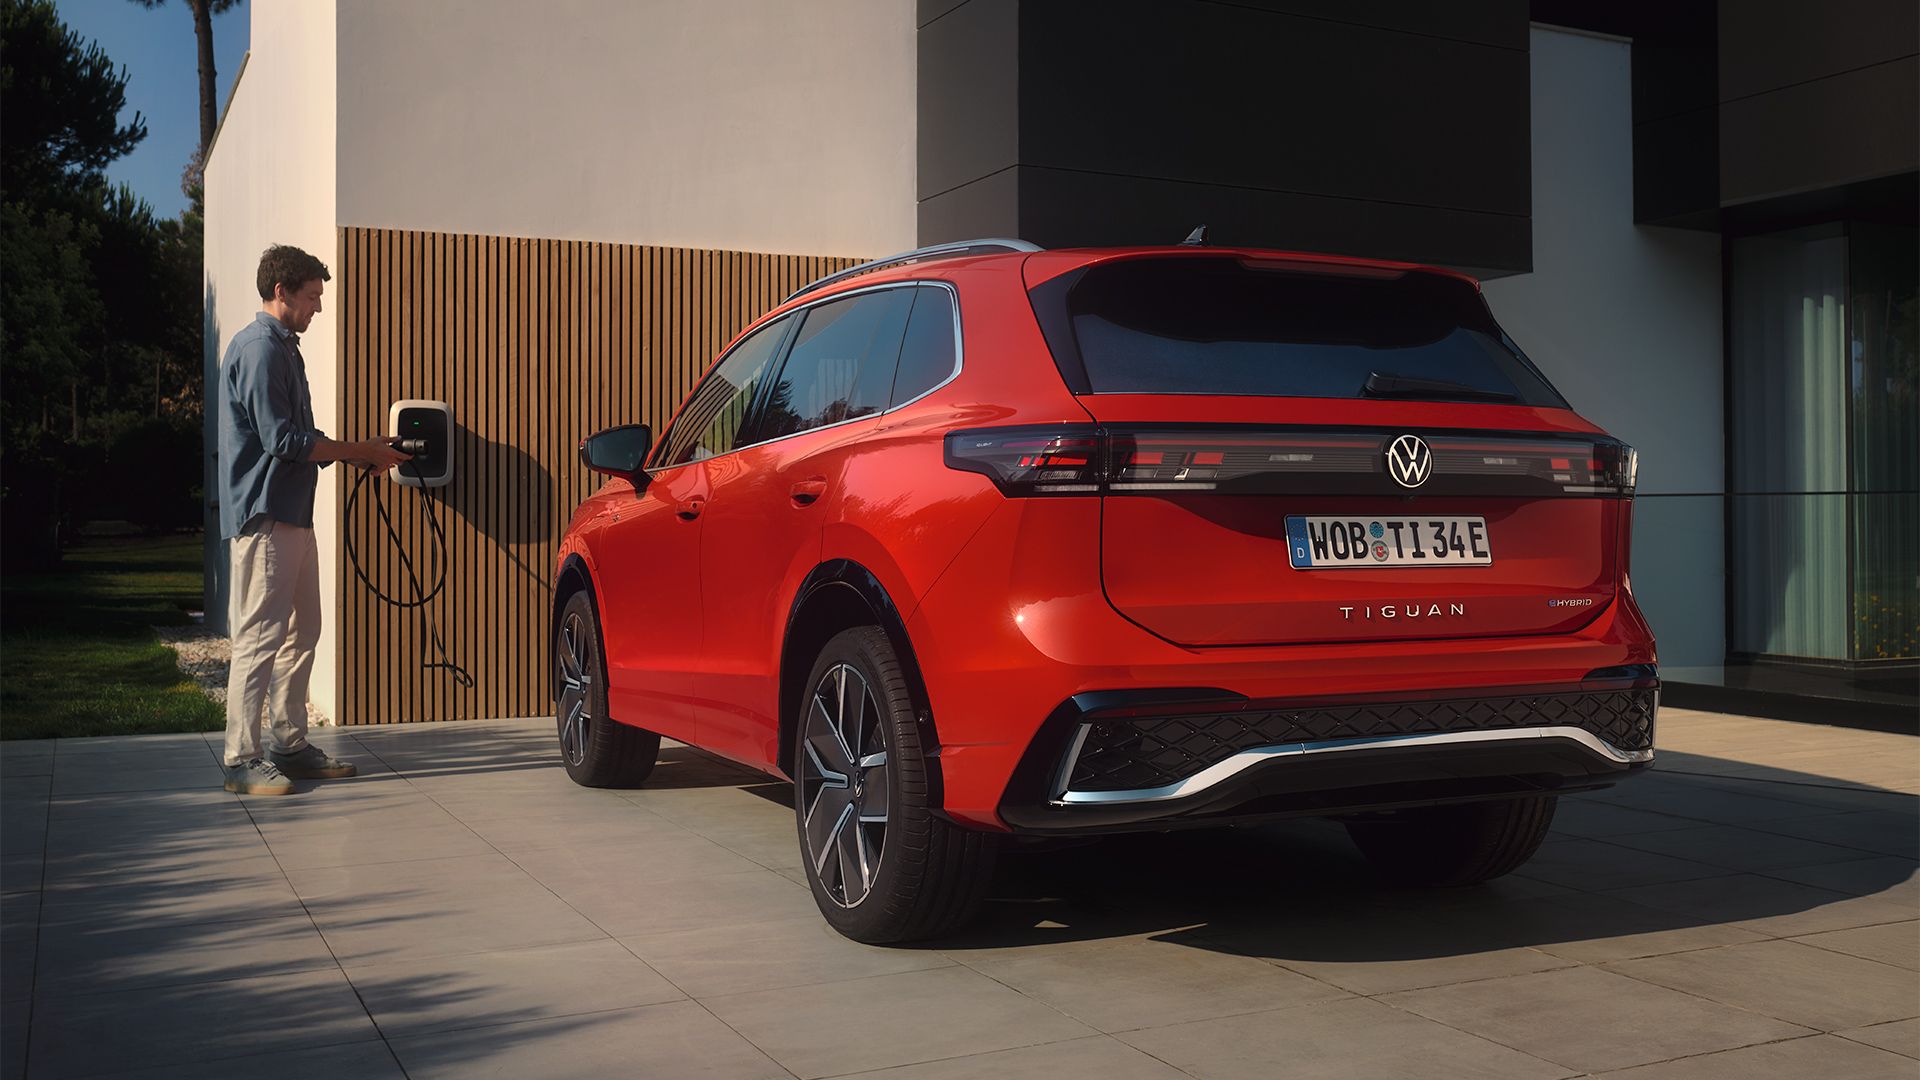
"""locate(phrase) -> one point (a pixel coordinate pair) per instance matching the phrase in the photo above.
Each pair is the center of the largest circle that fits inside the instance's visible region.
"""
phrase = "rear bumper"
(1131, 760)
(1019, 624)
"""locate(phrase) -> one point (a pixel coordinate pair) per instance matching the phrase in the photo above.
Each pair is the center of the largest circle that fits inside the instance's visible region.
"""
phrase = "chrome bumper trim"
(1247, 759)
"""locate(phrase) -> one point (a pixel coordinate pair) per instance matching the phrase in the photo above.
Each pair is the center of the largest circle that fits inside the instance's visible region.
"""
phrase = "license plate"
(1323, 543)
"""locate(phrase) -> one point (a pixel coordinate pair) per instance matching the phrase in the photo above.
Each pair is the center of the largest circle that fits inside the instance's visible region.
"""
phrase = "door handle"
(690, 509)
(806, 492)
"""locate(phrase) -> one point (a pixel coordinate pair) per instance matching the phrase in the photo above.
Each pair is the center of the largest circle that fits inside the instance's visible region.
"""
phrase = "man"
(272, 456)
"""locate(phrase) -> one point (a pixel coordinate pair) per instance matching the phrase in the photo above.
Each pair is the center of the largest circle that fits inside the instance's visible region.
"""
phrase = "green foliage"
(78, 654)
(60, 102)
(100, 303)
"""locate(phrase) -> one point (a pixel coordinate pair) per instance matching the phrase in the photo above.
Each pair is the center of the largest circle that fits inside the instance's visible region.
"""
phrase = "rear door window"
(841, 364)
(1234, 326)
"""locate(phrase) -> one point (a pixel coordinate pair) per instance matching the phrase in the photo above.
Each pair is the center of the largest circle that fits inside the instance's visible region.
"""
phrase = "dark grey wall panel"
(1220, 94)
(930, 10)
(1488, 22)
(969, 89)
(1066, 209)
(1769, 44)
(1821, 134)
(1400, 130)
(989, 206)
(1676, 170)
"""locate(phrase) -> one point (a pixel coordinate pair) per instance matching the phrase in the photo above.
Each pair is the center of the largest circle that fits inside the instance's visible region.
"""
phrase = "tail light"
(1081, 459)
(1617, 468)
(1066, 459)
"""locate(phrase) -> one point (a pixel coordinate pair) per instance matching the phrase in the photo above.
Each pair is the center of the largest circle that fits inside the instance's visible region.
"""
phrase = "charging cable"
(429, 627)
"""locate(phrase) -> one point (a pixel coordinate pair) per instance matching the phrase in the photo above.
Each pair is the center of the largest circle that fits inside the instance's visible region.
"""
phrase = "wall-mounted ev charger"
(425, 429)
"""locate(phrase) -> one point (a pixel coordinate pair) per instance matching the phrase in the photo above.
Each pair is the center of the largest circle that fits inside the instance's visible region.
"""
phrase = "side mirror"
(617, 451)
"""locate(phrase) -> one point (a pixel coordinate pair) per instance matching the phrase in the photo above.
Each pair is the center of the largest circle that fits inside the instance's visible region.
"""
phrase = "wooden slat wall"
(535, 344)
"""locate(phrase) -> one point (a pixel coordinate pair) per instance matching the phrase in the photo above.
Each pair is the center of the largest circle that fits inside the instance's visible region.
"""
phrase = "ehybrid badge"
(1409, 461)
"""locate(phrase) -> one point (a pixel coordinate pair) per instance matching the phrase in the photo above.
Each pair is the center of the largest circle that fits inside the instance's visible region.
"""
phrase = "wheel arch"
(574, 577)
(837, 595)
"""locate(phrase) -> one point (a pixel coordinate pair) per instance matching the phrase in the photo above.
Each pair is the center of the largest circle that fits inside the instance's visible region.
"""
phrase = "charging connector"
(425, 429)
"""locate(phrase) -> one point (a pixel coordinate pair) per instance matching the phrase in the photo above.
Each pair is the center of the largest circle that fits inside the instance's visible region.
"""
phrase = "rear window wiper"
(1410, 386)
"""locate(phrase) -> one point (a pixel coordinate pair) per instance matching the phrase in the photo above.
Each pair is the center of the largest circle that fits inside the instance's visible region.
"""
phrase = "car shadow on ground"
(1704, 860)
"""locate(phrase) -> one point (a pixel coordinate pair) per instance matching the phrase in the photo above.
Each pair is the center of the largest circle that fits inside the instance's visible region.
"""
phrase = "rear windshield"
(1249, 327)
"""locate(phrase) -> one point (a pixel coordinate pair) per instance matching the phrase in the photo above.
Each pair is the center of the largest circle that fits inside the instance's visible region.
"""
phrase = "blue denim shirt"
(266, 430)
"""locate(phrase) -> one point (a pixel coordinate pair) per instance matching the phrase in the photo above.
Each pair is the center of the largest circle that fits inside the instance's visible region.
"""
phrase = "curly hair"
(289, 267)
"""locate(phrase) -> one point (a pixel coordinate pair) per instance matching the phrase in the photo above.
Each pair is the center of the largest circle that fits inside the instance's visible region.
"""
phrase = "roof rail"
(937, 251)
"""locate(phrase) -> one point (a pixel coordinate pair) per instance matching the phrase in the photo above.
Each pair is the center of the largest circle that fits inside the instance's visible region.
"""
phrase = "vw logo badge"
(1409, 461)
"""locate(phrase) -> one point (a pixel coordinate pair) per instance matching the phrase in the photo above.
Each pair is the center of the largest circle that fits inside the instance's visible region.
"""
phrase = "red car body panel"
(1013, 605)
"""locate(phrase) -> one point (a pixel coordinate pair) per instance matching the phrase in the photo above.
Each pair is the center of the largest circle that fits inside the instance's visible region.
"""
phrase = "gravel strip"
(204, 655)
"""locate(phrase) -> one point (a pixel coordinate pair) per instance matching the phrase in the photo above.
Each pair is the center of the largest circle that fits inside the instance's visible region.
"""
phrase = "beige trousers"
(274, 621)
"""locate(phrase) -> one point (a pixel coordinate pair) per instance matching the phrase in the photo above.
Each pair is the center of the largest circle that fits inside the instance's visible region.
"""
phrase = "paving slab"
(1374, 949)
(1881, 832)
(471, 990)
(890, 1020)
(1901, 1037)
(358, 1061)
(1355, 1039)
(361, 841)
(1592, 1020)
(252, 887)
(1141, 982)
(1097, 1058)
(1770, 905)
(1824, 1056)
(175, 1025)
(432, 907)
(678, 1039)
(89, 957)
(15, 1014)
(803, 951)
(1741, 849)
(1789, 981)
(679, 903)
(1588, 817)
(1612, 864)
(1889, 943)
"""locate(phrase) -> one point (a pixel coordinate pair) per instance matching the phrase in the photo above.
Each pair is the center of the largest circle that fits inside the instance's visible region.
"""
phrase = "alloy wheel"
(575, 709)
(844, 785)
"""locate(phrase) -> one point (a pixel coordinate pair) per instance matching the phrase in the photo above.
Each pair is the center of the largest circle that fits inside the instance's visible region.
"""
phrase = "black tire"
(597, 750)
(931, 874)
(1459, 844)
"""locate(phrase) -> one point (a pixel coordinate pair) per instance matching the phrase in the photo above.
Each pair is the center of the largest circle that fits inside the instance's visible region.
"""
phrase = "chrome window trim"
(953, 300)
(1247, 759)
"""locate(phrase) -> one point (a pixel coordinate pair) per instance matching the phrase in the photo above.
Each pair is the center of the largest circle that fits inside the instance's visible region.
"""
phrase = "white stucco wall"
(762, 125)
(270, 180)
(1625, 319)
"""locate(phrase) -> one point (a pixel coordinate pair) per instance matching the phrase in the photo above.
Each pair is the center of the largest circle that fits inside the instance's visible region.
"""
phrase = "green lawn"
(77, 651)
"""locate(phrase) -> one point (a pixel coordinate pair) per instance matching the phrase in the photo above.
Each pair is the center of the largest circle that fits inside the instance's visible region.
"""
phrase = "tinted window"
(841, 364)
(926, 356)
(710, 422)
(1244, 327)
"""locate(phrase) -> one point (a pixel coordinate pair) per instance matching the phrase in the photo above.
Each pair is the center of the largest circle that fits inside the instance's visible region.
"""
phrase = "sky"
(157, 49)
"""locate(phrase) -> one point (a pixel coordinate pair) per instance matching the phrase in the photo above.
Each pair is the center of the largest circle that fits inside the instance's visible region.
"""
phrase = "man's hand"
(378, 453)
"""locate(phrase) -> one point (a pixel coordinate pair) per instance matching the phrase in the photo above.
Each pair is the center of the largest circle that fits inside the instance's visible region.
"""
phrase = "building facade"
(1699, 220)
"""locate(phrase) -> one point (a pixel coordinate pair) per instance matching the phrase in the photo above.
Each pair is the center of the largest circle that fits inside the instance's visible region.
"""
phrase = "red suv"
(984, 540)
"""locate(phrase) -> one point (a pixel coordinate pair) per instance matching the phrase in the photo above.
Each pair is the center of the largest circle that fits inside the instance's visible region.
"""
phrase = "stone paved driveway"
(462, 910)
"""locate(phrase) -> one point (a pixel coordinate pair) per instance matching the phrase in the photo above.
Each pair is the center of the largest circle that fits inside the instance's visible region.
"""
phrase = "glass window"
(1884, 372)
(710, 422)
(1787, 444)
(1267, 328)
(926, 356)
(841, 364)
